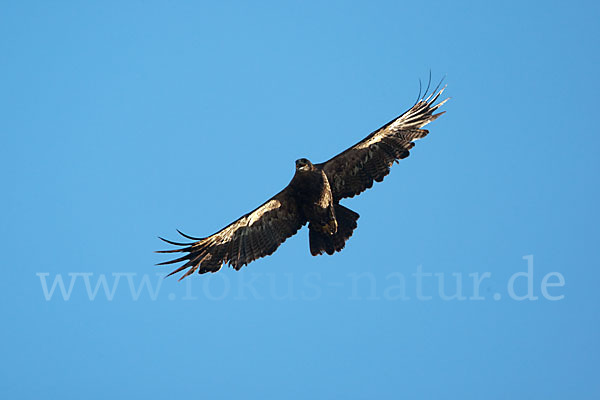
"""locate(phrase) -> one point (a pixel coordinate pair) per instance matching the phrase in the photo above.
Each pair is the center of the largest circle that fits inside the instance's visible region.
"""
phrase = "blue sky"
(122, 121)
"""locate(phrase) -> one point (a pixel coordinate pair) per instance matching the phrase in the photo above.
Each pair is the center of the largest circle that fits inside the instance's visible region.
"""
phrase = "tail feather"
(322, 242)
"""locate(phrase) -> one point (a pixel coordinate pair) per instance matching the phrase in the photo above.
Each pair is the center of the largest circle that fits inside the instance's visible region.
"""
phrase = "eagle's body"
(329, 223)
(312, 197)
(311, 188)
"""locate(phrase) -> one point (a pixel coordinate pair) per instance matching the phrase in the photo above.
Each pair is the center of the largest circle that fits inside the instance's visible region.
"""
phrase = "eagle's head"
(303, 164)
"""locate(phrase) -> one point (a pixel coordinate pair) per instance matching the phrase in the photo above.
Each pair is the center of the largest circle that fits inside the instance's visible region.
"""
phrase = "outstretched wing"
(354, 170)
(255, 235)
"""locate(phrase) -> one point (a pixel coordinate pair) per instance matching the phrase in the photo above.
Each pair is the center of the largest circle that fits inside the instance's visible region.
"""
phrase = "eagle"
(312, 197)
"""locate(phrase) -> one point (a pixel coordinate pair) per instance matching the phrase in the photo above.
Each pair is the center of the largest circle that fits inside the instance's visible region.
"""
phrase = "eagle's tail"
(321, 242)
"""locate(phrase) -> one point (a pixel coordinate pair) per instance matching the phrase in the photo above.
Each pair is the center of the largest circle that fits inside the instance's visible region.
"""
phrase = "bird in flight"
(313, 196)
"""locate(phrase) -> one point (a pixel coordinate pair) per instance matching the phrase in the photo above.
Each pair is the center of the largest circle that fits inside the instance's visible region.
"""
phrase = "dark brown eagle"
(312, 196)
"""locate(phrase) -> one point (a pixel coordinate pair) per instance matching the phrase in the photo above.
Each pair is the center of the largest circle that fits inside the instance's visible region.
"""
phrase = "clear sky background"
(122, 121)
